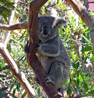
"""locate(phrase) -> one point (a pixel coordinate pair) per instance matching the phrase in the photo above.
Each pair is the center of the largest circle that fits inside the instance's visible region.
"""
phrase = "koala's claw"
(48, 79)
(38, 44)
(39, 41)
(37, 80)
(26, 48)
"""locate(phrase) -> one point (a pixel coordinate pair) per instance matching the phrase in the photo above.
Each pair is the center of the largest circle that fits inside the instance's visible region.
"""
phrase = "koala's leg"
(56, 74)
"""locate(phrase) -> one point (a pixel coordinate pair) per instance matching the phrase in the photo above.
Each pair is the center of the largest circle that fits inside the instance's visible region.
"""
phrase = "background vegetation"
(76, 39)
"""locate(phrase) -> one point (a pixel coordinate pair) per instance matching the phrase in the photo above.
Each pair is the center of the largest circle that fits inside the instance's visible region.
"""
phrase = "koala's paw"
(26, 48)
(37, 80)
(38, 44)
(48, 79)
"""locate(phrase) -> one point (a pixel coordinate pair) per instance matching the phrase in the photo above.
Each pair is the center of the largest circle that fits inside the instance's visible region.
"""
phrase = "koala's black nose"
(45, 30)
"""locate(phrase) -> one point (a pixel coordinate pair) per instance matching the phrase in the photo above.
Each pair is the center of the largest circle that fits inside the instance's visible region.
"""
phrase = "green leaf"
(14, 90)
(40, 97)
(9, 47)
(73, 56)
(76, 65)
(18, 86)
(92, 92)
(12, 85)
(3, 89)
(93, 52)
(75, 81)
(92, 58)
(85, 86)
(92, 30)
(2, 75)
(69, 90)
(24, 94)
(6, 67)
(89, 42)
(58, 1)
(3, 95)
(87, 48)
(80, 78)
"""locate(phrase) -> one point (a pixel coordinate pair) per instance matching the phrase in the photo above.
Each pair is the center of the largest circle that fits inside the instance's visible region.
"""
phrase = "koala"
(51, 51)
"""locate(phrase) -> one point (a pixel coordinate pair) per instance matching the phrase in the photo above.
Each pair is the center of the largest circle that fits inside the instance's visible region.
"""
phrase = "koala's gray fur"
(51, 52)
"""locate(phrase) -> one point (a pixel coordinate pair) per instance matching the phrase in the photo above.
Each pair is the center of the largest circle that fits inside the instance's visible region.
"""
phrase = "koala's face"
(45, 30)
(48, 27)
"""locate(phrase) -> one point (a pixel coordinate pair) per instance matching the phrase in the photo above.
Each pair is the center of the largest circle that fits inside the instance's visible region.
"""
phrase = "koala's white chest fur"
(42, 59)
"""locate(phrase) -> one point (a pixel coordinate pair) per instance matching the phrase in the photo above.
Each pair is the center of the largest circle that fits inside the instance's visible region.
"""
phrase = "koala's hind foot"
(48, 79)
(56, 74)
(61, 91)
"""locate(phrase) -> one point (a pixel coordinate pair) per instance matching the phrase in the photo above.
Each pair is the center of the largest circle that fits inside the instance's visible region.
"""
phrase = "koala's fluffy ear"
(60, 22)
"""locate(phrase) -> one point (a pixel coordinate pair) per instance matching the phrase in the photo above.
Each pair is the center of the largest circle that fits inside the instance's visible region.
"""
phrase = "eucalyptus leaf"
(3, 89)
(1, 75)
(3, 95)
(87, 48)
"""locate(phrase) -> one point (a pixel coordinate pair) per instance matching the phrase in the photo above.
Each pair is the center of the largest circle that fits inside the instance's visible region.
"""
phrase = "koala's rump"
(58, 73)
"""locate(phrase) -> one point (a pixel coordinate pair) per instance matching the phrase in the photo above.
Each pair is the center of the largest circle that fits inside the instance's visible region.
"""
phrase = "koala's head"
(48, 27)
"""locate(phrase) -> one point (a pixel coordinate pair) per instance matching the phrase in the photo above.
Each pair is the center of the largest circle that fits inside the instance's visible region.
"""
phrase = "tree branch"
(22, 25)
(16, 71)
(31, 57)
(7, 33)
(84, 15)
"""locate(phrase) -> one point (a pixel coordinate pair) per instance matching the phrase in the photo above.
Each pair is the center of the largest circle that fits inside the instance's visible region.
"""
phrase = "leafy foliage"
(76, 39)
(2, 94)
(5, 8)
(81, 80)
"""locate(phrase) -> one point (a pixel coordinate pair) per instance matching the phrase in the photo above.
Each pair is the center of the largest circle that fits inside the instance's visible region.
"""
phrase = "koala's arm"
(47, 49)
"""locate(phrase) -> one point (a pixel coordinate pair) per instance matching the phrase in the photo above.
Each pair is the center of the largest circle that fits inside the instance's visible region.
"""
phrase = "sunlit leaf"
(87, 48)
(80, 78)
(72, 55)
(69, 90)
(89, 42)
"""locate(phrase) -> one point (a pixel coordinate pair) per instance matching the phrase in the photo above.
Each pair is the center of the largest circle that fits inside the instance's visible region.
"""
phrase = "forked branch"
(31, 57)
